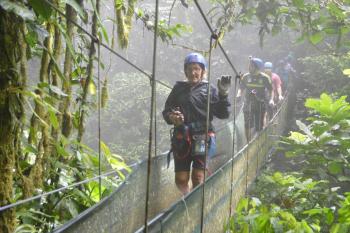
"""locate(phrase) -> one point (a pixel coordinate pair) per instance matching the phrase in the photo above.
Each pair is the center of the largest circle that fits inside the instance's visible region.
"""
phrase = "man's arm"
(169, 107)
(279, 87)
(268, 85)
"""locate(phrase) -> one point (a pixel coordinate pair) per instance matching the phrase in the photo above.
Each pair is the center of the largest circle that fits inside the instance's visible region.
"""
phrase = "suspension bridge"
(124, 210)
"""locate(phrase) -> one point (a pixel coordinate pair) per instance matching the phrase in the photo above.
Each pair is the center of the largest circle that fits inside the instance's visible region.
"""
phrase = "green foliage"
(253, 216)
(297, 202)
(41, 8)
(166, 32)
(325, 142)
(292, 191)
(290, 203)
(77, 8)
(346, 72)
(76, 162)
(314, 21)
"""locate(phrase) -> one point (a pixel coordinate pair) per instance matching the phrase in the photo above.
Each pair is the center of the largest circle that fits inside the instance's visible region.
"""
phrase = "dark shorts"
(197, 161)
(254, 116)
(185, 163)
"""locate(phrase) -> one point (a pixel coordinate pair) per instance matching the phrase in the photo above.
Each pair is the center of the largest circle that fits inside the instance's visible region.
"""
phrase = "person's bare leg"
(197, 176)
(248, 133)
(265, 119)
(181, 181)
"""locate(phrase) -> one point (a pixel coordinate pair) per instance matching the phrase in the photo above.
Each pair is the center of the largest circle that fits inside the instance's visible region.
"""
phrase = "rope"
(213, 33)
(207, 123)
(152, 111)
(206, 130)
(99, 116)
(248, 131)
(233, 144)
(95, 39)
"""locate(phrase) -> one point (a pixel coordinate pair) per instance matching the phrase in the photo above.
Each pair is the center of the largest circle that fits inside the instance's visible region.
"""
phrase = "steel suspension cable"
(237, 76)
(206, 130)
(233, 143)
(249, 139)
(99, 115)
(2, 208)
(152, 111)
(95, 39)
(213, 33)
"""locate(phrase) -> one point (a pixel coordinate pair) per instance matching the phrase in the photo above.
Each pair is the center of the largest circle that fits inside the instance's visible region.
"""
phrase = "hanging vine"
(92, 53)
(122, 29)
(123, 17)
(64, 108)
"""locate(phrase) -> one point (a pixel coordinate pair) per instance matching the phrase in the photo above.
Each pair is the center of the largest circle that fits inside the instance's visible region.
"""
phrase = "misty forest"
(84, 146)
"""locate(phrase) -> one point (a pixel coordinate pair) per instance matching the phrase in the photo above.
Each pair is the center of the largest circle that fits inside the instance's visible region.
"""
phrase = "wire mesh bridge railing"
(123, 211)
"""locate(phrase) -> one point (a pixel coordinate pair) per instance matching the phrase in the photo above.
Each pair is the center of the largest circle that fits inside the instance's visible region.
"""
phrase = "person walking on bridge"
(276, 88)
(286, 71)
(254, 85)
(186, 109)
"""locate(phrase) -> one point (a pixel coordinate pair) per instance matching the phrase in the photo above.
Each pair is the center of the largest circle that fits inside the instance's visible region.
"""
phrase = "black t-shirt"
(192, 102)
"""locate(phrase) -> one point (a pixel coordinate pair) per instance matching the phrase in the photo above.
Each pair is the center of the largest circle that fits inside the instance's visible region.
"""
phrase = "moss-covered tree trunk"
(11, 113)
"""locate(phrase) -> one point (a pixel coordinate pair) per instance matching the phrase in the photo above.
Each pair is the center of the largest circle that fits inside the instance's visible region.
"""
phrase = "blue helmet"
(195, 58)
(268, 65)
(258, 63)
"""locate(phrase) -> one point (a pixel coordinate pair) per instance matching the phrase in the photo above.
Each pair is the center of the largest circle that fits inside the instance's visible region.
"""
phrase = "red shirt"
(276, 83)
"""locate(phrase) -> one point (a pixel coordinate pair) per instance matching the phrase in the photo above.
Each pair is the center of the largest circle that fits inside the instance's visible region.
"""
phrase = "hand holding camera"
(176, 117)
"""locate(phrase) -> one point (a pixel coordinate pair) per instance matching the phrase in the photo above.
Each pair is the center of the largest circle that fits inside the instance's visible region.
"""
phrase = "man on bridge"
(186, 109)
(254, 86)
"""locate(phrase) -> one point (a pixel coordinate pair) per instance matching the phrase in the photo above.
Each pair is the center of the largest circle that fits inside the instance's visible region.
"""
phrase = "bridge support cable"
(233, 142)
(249, 133)
(213, 33)
(152, 113)
(99, 115)
(213, 36)
(258, 143)
(21, 202)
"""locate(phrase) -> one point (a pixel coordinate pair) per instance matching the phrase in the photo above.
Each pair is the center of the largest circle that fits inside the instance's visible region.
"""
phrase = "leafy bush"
(253, 216)
(324, 143)
(308, 201)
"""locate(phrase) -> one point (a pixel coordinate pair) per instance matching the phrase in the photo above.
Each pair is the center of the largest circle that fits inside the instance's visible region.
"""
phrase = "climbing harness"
(189, 140)
(180, 142)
